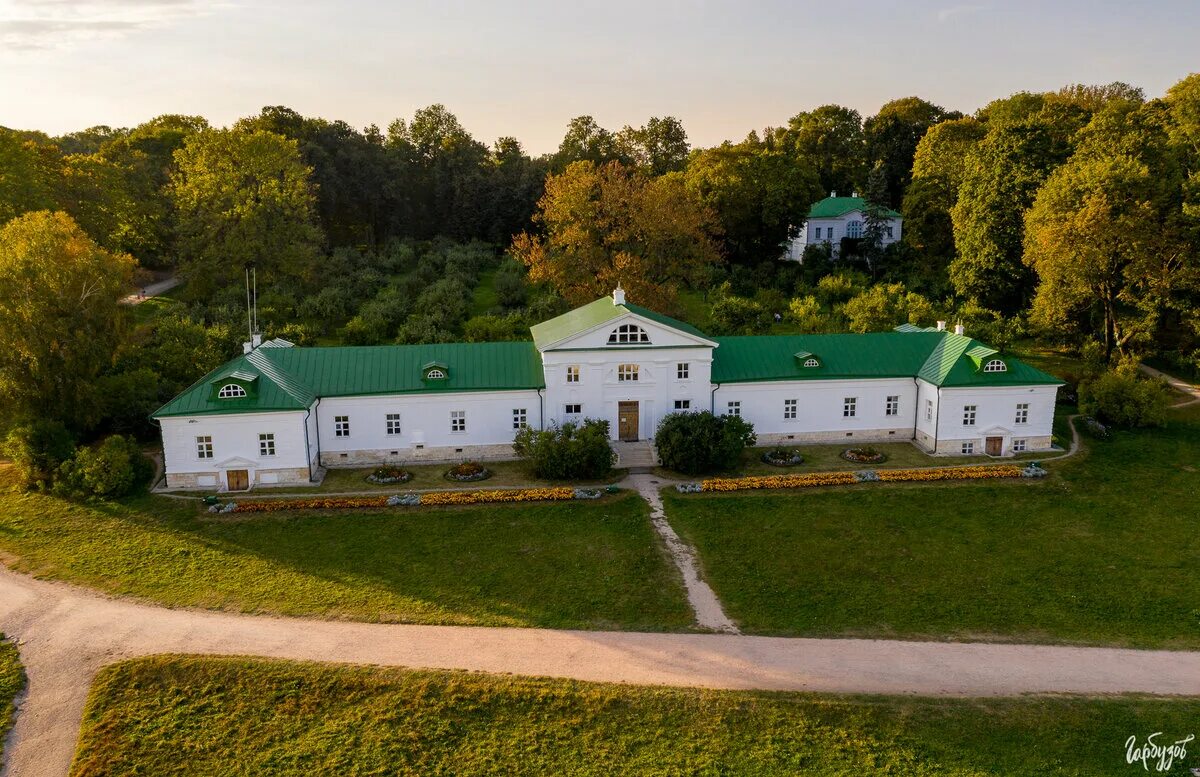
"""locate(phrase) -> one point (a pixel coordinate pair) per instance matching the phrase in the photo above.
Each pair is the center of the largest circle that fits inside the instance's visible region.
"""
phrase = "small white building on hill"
(834, 218)
(275, 414)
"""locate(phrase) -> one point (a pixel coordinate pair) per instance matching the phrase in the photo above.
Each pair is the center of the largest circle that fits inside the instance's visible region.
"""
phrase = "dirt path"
(66, 634)
(1182, 386)
(152, 290)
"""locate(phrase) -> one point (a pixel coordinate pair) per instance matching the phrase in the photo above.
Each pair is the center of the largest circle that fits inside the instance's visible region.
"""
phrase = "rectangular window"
(1023, 413)
(849, 407)
(682, 370)
(520, 418)
(888, 230)
(929, 410)
(458, 420)
(683, 404)
(573, 373)
(818, 233)
(968, 448)
(341, 426)
(266, 445)
(393, 423)
(733, 408)
(969, 415)
(204, 449)
(893, 406)
(627, 372)
(789, 409)
(573, 409)
(1018, 446)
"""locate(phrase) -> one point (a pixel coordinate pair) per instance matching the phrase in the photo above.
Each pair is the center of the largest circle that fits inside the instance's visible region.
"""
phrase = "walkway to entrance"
(635, 455)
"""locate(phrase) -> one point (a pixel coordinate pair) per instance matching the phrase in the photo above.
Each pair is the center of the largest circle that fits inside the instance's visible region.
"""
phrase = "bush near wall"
(695, 443)
(568, 452)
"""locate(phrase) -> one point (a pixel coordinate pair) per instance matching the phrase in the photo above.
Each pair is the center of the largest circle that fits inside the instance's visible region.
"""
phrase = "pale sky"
(526, 69)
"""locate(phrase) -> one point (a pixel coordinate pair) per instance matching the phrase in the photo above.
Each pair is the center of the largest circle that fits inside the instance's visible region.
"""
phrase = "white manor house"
(278, 413)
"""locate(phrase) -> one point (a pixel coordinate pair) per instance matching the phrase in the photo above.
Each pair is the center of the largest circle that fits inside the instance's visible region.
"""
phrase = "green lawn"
(484, 297)
(505, 474)
(1103, 551)
(196, 716)
(12, 679)
(593, 565)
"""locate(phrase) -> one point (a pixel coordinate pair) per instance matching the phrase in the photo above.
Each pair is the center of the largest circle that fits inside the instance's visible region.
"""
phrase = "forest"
(1069, 218)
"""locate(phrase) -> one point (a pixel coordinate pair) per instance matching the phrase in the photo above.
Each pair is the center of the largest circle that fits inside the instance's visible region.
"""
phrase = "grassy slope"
(280, 718)
(568, 565)
(1100, 552)
(12, 679)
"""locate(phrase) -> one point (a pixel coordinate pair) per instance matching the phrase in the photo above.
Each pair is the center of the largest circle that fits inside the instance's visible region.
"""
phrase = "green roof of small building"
(593, 314)
(833, 207)
(292, 378)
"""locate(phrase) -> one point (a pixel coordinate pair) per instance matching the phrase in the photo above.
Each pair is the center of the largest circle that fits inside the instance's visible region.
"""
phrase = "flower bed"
(866, 455)
(782, 457)
(557, 493)
(816, 479)
(307, 503)
(389, 475)
(949, 473)
(468, 472)
(807, 480)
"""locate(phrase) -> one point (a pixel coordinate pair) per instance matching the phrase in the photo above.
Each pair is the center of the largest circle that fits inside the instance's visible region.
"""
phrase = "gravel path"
(66, 634)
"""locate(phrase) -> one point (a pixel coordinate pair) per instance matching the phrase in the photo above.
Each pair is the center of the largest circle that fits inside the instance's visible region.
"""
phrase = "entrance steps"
(635, 456)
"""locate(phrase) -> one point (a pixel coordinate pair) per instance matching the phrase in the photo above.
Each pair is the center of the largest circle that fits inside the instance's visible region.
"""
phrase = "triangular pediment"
(599, 325)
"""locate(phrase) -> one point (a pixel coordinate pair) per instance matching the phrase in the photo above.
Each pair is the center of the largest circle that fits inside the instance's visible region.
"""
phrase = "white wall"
(807, 236)
(424, 420)
(995, 414)
(820, 405)
(233, 436)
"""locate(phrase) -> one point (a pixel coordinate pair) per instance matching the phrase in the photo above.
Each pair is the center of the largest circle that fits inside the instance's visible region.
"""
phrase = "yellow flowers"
(816, 479)
(557, 493)
(309, 503)
(507, 495)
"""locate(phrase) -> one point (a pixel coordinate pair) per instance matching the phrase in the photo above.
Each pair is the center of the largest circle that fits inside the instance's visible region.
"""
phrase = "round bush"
(695, 443)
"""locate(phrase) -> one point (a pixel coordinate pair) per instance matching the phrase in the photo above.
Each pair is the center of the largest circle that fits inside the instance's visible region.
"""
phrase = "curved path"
(66, 634)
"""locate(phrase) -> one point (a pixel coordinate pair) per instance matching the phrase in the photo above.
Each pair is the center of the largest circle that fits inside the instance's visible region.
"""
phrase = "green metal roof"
(594, 314)
(833, 207)
(937, 357)
(292, 378)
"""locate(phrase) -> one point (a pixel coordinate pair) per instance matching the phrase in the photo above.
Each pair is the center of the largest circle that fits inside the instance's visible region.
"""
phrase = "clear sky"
(525, 69)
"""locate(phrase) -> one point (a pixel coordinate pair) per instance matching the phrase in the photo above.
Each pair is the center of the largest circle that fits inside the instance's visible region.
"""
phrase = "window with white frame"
(627, 372)
(816, 233)
(1022, 413)
(968, 448)
(573, 373)
(436, 374)
(458, 421)
(969, 415)
(266, 445)
(683, 404)
(854, 229)
(393, 423)
(231, 391)
(682, 371)
(995, 365)
(888, 232)
(204, 449)
(733, 408)
(573, 409)
(341, 426)
(628, 333)
(520, 418)
(849, 407)
(929, 410)
(811, 363)
(789, 409)
(892, 407)
(1019, 446)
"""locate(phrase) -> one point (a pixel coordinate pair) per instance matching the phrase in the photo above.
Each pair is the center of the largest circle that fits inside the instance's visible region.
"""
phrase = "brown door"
(995, 445)
(237, 479)
(627, 421)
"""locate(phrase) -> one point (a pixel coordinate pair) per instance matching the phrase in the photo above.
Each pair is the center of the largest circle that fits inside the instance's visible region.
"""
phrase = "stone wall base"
(903, 434)
(438, 455)
(954, 447)
(215, 481)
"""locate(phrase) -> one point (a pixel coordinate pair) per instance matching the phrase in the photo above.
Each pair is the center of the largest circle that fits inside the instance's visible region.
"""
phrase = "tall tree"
(59, 317)
(28, 174)
(660, 146)
(611, 225)
(892, 136)
(831, 138)
(587, 141)
(243, 198)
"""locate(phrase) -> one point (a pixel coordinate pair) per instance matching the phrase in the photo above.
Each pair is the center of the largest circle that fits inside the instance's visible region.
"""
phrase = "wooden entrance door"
(627, 421)
(237, 479)
(994, 446)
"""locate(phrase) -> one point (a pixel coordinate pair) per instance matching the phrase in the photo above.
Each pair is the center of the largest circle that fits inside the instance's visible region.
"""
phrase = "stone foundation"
(954, 447)
(903, 434)
(438, 455)
(215, 481)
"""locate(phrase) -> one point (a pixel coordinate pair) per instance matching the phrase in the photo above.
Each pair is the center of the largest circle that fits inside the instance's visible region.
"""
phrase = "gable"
(593, 325)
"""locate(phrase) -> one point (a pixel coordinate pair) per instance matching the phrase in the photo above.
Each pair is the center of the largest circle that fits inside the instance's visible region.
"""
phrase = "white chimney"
(256, 339)
(833, 194)
(853, 194)
(941, 326)
(618, 295)
(247, 347)
(959, 329)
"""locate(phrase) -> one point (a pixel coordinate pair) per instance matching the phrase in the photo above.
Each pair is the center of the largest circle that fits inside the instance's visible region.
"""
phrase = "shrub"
(1121, 398)
(567, 452)
(694, 443)
(113, 468)
(37, 448)
(737, 315)
(468, 471)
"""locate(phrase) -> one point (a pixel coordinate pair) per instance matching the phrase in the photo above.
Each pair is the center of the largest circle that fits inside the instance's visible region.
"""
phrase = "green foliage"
(892, 136)
(12, 680)
(831, 138)
(113, 468)
(37, 448)
(806, 314)
(698, 443)
(568, 452)
(740, 316)
(1121, 398)
(885, 306)
(840, 287)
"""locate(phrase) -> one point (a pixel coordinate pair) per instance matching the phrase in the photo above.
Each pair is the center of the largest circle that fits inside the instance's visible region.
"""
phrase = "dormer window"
(435, 374)
(231, 391)
(628, 334)
(435, 371)
(995, 365)
(811, 363)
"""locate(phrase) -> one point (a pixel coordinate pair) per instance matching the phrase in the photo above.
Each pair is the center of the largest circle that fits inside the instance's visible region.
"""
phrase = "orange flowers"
(309, 503)
(506, 495)
(816, 479)
(558, 493)
(808, 480)
(949, 473)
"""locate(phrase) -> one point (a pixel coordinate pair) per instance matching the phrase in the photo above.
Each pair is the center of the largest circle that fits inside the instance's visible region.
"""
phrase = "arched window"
(435, 374)
(628, 333)
(231, 391)
(811, 363)
(854, 229)
(995, 365)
